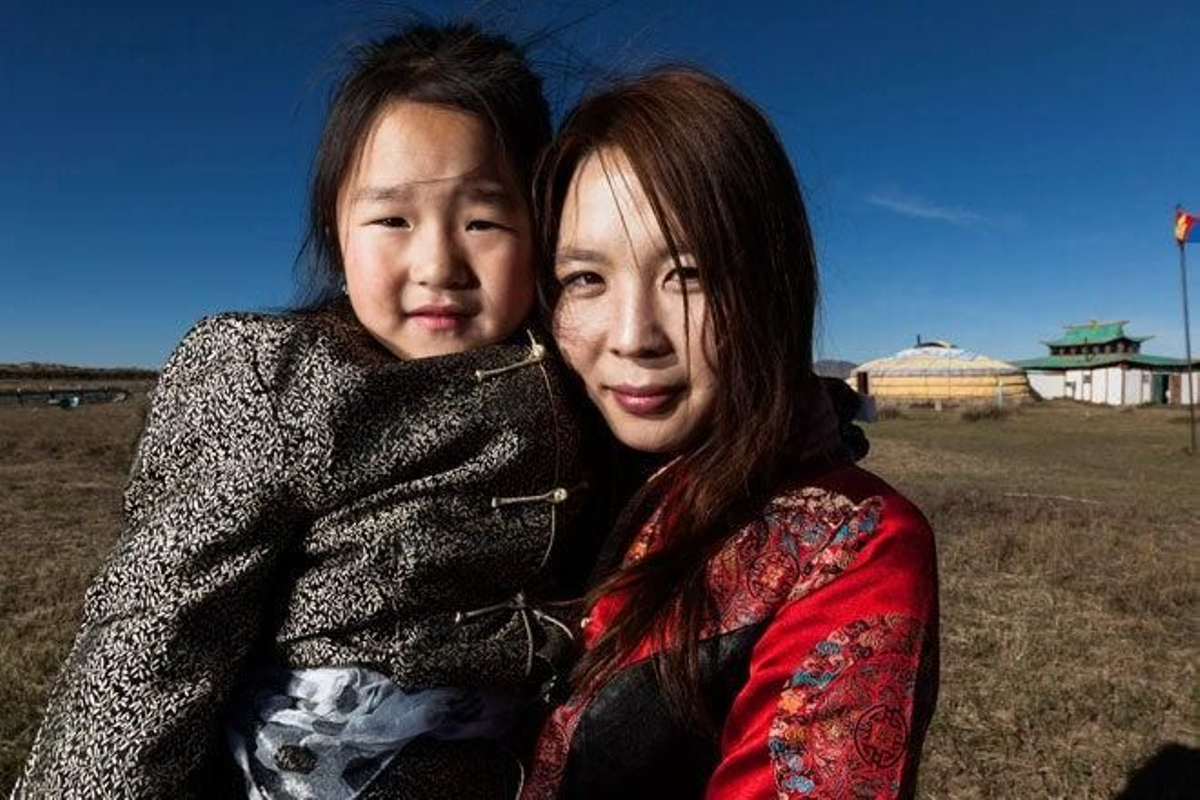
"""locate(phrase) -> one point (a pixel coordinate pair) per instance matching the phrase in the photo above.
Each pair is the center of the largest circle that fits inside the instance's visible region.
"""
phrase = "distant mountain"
(834, 369)
(32, 370)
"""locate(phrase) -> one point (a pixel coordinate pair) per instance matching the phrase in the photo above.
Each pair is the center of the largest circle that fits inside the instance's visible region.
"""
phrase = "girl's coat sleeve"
(843, 680)
(177, 606)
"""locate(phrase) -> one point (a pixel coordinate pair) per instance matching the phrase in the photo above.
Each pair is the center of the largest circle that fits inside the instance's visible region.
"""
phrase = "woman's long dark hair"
(457, 66)
(722, 188)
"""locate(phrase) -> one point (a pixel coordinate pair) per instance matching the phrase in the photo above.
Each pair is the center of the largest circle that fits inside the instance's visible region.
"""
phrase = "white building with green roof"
(1099, 363)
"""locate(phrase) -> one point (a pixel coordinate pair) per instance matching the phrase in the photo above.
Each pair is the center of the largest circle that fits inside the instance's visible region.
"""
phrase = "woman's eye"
(687, 277)
(392, 222)
(582, 280)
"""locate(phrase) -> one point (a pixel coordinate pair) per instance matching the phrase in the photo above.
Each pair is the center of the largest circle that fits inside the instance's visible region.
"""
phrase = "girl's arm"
(181, 601)
(842, 682)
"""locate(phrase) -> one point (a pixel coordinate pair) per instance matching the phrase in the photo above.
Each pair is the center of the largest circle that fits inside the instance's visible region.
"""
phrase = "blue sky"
(981, 172)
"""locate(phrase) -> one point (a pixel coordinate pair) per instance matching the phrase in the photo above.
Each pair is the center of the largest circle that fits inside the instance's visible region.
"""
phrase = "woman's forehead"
(607, 206)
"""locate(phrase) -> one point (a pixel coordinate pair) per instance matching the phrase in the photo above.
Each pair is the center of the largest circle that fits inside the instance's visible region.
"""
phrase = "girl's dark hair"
(721, 188)
(456, 66)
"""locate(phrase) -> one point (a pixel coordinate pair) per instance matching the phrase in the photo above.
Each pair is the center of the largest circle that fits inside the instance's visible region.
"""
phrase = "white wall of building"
(1139, 386)
(1048, 385)
(1183, 388)
(1111, 385)
(1075, 387)
(1113, 381)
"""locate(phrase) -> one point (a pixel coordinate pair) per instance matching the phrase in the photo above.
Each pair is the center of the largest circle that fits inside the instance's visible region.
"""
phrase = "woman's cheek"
(573, 333)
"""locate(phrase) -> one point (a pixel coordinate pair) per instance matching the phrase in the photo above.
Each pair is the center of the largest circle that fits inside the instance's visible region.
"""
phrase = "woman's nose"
(636, 326)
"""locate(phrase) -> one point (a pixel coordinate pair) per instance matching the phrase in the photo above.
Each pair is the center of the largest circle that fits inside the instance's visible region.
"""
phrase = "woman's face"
(435, 234)
(621, 321)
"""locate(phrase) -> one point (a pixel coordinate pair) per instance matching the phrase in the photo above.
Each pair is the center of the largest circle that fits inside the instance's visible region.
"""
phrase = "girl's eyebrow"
(488, 192)
(379, 194)
(476, 192)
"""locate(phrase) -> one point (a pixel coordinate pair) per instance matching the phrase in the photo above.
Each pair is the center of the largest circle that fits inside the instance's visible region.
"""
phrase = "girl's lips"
(440, 322)
(440, 319)
(644, 401)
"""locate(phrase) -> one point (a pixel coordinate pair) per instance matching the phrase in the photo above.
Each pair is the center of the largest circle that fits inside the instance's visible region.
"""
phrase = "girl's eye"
(685, 276)
(392, 222)
(485, 225)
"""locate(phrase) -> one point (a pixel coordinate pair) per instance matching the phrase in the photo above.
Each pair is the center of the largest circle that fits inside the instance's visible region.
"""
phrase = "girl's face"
(435, 234)
(621, 321)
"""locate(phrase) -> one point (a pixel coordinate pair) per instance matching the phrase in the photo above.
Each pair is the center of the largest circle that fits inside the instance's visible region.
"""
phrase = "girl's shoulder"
(273, 350)
(232, 337)
(261, 333)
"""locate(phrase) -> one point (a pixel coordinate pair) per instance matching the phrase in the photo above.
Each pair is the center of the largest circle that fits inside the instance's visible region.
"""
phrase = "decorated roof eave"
(1102, 360)
(1076, 343)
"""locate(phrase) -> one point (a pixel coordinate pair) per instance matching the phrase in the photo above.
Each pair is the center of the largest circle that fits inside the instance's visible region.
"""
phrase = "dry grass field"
(61, 477)
(1067, 543)
(1069, 646)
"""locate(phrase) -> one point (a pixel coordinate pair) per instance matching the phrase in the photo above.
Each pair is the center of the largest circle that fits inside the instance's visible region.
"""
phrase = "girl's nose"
(437, 261)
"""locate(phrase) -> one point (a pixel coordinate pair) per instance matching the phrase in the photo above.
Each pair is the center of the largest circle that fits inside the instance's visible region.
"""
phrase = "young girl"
(769, 623)
(340, 521)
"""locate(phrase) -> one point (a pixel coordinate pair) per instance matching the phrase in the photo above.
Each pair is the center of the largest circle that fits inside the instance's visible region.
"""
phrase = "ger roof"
(937, 358)
(1095, 360)
(1095, 333)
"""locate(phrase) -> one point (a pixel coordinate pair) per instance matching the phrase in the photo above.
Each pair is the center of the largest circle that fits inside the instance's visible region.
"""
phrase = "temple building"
(1100, 363)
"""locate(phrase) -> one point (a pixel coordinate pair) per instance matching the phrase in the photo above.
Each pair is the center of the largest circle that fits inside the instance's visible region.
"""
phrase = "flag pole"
(1187, 343)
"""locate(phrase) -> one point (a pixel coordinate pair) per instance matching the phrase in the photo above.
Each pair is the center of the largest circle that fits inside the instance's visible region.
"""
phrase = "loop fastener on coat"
(518, 604)
(553, 497)
(514, 603)
(537, 353)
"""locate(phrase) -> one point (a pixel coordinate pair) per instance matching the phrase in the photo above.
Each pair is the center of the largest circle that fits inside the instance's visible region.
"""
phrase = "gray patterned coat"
(301, 498)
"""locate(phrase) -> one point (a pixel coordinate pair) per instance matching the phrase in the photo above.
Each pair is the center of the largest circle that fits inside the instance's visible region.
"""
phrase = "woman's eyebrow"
(684, 256)
(565, 254)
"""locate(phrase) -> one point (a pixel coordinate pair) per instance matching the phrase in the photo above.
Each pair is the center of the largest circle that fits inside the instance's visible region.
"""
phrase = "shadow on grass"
(1173, 773)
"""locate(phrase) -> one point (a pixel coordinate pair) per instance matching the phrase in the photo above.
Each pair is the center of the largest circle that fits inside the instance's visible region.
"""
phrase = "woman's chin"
(651, 436)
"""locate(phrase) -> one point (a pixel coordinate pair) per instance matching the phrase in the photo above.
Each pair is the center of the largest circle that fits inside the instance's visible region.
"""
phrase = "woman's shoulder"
(846, 520)
(815, 531)
(849, 486)
(854, 517)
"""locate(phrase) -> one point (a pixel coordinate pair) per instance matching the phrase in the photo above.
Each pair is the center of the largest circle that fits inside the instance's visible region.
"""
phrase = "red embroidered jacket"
(822, 664)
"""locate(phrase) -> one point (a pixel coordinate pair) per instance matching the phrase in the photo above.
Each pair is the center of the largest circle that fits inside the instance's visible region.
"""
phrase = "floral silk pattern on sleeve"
(843, 724)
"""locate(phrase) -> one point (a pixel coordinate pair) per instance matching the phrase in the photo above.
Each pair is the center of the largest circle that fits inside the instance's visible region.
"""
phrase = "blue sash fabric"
(325, 734)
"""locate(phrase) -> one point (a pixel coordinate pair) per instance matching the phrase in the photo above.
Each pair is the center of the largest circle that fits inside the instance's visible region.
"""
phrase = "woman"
(341, 522)
(768, 625)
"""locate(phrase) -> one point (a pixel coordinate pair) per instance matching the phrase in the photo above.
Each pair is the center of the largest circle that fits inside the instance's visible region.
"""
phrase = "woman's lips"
(645, 400)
